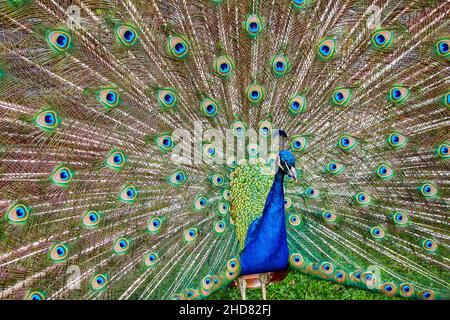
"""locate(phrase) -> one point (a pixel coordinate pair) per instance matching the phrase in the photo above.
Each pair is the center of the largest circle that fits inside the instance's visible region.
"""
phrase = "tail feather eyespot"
(91, 219)
(128, 194)
(121, 245)
(18, 213)
(99, 282)
(59, 40)
(341, 97)
(59, 252)
(224, 66)
(126, 34)
(62, 176)
(47, 120)
(178, 47)
(382, 39)
(326, 49)
(253, 25)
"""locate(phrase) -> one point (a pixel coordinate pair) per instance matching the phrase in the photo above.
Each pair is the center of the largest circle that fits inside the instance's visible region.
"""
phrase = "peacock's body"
(103, 194)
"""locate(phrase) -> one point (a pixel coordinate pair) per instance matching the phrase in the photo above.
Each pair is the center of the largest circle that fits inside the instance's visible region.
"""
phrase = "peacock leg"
(242, 287)
(263, 280)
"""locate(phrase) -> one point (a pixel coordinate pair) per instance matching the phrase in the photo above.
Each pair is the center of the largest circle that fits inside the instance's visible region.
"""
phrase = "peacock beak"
(292, 173)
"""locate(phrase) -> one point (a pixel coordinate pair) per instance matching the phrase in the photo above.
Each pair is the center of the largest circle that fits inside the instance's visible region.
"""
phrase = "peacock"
(167, 149)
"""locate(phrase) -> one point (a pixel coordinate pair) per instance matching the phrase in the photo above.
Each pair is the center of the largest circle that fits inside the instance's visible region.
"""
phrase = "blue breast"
(266, 247)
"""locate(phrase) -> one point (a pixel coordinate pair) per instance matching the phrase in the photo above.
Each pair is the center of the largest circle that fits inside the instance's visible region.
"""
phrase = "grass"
(297, 286)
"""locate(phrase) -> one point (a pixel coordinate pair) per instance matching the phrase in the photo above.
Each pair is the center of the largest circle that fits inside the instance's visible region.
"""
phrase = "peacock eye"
(388, 288)
(442, 150)
(62, 176)
(91, 219)
(233, 265)
(296, 261)
(217, 180)
(231, 162)
(347, 142)
(255, 93)
(167, 98)
(47, 120)
(126, 35)
(334, 167)
(297, 104)
(226, 194)
(164, 142)
(329, 216)
(312, 192)
(384, 172)
(300, 4)
(265, 128)
(128, 194)
(326, 49)
(280, 65)
(220, 227)
(200, 203)
(177, 178)
(287, 202)
(299, 143)
(35, 295)
(341, 97)
(400, 218)
(446, 99)
(224, 65)
(115, 160)
(178, 47)
(382, 39)
(398, 94)
(59, 253)
(191, 294)
(210, 151)
(406, 290)
(427, 294)
(99, 282)
(207, 283)
(294, 219)
(326, 267)
(253, 149)
(209, 107)
(362, 198)
(253, 25)
(369, 278)
(109, 98)
(340, 276)
(428, 190)
(18, 213)
(396, 140)
(223, 207)
(150, 259)
(356, 275)
(190, 235)
(377, 232)
(154, 225)
(239, 128)
(59, 40)
(443, 47)
(121, 246)
(429, 245)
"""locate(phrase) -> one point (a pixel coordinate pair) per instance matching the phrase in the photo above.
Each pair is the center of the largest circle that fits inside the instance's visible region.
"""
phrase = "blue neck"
(272, 225)
(266, 247)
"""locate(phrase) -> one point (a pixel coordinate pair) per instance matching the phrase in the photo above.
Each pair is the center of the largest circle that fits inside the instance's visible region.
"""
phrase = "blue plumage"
(266, 248)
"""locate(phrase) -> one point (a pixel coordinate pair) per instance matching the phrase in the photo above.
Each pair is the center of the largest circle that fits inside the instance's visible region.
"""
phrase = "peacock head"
(287, 163)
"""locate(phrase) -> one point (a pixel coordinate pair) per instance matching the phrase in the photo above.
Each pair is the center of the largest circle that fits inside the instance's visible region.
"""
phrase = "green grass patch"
(298, 286)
